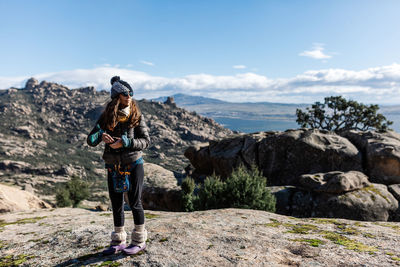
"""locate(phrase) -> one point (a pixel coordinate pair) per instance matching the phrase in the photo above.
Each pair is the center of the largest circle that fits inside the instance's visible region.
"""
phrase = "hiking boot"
(112, 249)
(133, 249)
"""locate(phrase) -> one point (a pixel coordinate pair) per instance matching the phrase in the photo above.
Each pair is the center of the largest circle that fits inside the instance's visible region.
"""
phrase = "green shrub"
(188, 202)
(212, 194)
(62, 197)
(243, 189)
(247, 189)
(188, 185)
(187, 197)
(72, 193)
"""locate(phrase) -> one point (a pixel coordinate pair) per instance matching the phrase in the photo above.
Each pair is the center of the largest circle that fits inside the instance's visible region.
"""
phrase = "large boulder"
(70, 170)
(14, 199)
(221, 157)
(381, 152)
(371, 203)
(225, 155)
(31, 84)
(200, 159)
(283, 196)
(281, 156)
(395, 190)
(334, 182)
(160, 189)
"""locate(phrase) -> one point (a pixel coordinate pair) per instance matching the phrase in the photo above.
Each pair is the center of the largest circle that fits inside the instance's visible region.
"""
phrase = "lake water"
(251, 126)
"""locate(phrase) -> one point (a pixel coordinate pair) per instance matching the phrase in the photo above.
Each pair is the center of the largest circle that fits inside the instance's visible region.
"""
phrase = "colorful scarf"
(124, 114)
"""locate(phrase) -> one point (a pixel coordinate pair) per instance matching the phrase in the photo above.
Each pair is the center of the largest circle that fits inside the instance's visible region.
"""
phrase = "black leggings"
(134, 196)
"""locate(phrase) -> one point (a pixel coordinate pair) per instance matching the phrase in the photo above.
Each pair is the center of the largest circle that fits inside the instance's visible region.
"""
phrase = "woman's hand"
(107, 138)
(117, 144)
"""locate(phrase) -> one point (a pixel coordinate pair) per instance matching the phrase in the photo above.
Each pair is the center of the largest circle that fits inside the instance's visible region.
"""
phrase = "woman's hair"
(108, 119)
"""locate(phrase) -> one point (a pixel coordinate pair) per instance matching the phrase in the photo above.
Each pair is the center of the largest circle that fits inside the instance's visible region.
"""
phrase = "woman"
(122, 128)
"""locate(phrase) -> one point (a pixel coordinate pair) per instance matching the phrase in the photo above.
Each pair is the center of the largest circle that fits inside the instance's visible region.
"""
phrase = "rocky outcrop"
(70, 171)
(370, 203)
(14, 199)
(223, 156)
(334, 182)
(160, 189)
(381, 152)
(170, 101)
(395, 190)
(226, 237)
(322, 174)
(31, 84)
(27, 131)
(281, 156)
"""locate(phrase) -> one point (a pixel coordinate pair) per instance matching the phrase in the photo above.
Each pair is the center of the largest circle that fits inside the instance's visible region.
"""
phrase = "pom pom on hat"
(115, 79)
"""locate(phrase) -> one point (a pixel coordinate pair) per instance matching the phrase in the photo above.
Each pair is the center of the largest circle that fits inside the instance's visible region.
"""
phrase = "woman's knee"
(136, 205)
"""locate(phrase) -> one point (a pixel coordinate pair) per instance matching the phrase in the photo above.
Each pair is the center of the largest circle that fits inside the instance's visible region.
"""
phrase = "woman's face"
(125, 100)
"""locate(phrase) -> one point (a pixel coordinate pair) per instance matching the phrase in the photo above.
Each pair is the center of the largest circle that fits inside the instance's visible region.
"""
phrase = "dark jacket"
(134, 140)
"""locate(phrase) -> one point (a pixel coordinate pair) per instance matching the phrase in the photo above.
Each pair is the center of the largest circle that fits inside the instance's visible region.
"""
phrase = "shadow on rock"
(92, 258)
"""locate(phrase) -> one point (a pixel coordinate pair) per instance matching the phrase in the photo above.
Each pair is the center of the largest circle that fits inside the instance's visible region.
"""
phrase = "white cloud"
(317, 52)
(148, 63)
(368, 86)
(239, 66)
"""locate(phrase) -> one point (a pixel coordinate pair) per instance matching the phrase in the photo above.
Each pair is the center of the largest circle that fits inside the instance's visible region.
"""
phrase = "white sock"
(139, 227)
(139, 235)
(119, 229)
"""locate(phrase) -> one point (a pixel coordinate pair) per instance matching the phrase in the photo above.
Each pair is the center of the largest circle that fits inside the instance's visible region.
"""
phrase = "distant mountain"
(257, 116)
(247, 110)
(188, 100)
(244, 117)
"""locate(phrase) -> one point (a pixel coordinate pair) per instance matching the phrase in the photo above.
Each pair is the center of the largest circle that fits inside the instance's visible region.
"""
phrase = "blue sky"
(282, 51)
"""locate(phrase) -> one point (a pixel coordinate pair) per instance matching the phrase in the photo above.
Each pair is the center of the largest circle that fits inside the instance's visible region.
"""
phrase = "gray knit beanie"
(120, 87)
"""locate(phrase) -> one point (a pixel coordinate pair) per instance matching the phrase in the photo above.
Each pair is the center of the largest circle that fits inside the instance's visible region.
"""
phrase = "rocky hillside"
(44, 128)
(226, 237)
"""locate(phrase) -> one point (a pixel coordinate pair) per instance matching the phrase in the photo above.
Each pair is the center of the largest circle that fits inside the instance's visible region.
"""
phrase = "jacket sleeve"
(141, 138)
(94, 137)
